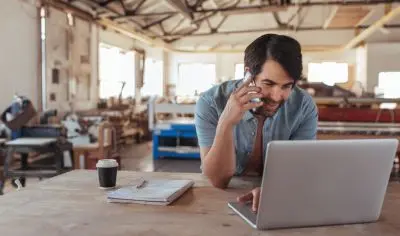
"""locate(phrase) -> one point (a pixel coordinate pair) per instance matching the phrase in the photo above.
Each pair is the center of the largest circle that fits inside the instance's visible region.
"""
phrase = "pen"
(141, 184)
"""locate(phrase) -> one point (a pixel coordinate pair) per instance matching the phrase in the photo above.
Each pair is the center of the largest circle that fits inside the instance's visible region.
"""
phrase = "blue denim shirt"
(296, 119)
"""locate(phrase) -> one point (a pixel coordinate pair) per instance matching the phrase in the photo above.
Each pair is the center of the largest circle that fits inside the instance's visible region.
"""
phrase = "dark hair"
(280, 48)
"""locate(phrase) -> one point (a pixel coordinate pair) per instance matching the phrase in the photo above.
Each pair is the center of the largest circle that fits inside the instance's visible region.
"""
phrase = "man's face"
(276, 86)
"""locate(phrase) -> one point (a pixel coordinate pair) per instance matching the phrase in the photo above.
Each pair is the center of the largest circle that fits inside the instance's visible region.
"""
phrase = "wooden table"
(72, 204)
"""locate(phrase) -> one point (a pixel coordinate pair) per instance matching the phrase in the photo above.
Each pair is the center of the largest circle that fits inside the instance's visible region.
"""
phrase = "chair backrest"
(105, 137)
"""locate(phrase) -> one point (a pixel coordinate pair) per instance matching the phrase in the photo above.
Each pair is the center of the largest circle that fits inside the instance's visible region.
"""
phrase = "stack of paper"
(155, 192)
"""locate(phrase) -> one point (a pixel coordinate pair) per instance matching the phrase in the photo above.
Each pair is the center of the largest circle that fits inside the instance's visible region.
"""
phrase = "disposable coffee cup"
(107, 170)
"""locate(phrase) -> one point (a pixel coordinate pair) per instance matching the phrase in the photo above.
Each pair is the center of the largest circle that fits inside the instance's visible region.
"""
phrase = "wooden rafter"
(346, 16)
(181, 8)
(371, 29)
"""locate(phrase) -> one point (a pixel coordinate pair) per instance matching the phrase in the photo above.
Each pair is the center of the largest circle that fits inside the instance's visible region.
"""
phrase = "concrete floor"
(138, 157)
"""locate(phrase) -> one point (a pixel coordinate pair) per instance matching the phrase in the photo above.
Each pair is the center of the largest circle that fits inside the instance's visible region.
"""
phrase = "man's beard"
(269, 107)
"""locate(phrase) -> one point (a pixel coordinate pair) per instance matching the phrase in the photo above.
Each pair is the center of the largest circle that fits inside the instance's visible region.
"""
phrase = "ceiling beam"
(312, 28)
(259, 8)
(366, 17)
(177, 25)
(300, 19)
(123, 6)
(304, 48)
(251, 10)
(137, 7)
(94, 3)
(196, 23)
(372, 28)
(157, 22)
(296, 14)
(133, 34)
(388, 8)
(168, 47)
(181, 8)
(69, 7)
(105, 3)
(131, 15)
(215, 5)
(330, 17)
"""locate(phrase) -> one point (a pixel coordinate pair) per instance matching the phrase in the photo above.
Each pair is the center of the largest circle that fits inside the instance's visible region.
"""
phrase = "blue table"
(178, 130)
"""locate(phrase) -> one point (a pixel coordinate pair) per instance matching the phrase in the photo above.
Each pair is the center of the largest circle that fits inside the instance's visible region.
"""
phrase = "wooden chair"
(92, 152)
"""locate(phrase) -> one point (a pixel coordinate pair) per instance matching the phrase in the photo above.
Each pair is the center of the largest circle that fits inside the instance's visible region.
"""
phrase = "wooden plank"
(72, 204)
(372, 28)
(347, 16)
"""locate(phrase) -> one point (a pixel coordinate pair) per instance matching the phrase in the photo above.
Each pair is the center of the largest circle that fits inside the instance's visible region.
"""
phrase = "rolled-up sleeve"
(307, 129)
(206, 121)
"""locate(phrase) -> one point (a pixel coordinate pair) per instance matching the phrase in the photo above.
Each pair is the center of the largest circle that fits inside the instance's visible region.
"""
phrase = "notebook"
(153, 192)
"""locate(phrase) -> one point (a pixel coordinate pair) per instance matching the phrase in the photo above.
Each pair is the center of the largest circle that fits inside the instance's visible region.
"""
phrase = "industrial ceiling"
(231, 24)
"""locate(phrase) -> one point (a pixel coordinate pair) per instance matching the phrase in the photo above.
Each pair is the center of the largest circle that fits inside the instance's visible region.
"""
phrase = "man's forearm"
(219, 163)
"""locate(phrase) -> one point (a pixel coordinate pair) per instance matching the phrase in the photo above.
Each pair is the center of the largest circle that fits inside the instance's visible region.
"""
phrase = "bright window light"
(329, 73)
(153, 78)
(389, 84)
(115, 68)
(239, 71)
(195, 78)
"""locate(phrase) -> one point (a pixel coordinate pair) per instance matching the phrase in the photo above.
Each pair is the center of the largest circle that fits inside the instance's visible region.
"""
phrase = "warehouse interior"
(125, 71)
(119, 79)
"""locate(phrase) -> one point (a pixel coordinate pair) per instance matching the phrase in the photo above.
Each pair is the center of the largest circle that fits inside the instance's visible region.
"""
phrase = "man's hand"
(253, 196)
(239, 102)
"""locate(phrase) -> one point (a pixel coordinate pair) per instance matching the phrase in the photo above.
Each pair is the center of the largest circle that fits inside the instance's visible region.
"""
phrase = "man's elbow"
(219, 184)
(219, 181)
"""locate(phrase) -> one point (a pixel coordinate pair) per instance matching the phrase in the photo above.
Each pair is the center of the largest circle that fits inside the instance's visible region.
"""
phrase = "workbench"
(175, 138)
(358, 130)
(72, 204)
(45, 146)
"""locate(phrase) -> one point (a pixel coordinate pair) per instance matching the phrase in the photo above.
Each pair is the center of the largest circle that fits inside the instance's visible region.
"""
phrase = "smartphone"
(248, 76)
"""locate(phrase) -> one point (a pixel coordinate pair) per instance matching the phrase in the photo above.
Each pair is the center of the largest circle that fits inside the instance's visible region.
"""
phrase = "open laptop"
(322, 182)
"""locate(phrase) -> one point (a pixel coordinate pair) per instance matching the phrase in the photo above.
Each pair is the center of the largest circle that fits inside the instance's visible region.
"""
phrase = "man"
(233, 131)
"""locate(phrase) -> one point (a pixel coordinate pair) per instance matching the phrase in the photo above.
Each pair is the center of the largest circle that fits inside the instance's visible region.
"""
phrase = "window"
(195, 78)
(116, 67)
(153, 78)
(329, 73)
(239, 71)
(389, 84)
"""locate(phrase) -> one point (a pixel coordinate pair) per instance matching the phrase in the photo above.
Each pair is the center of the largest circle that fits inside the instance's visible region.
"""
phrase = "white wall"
(381, 57)
(361, 66)
(226, 65)
(70, 58)
(19, 51)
